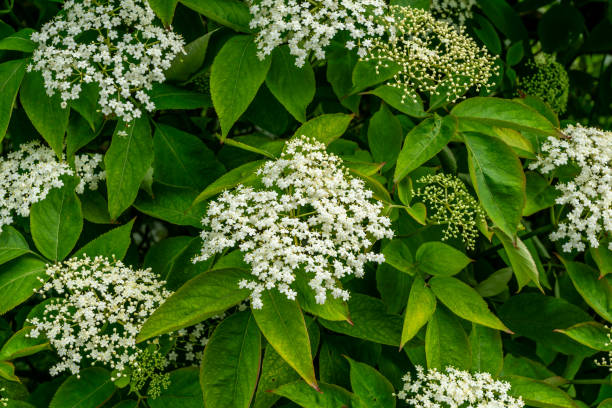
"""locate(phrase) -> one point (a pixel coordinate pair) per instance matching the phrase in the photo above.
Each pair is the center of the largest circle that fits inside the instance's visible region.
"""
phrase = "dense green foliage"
(471, 278)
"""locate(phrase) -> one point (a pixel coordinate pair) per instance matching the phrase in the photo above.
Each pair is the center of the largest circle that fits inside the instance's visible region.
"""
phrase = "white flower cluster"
(112, 43)
(433, 56)
(453, 10)
(310, 218)
(309, 25)
(456, 388)
(606, 361)
(28, 174)
(100, 309)
(589, 194)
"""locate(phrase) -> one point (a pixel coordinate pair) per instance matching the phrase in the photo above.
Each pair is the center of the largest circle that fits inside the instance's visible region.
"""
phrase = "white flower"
(309, 25)
(112, 43)
(100, 307)
(456, 388)
(28, 174)
(309, 218)
(453, 10)
(589, 194)
(433, 56)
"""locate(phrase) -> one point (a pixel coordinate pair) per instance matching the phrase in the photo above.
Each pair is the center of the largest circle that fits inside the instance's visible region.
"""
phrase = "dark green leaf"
(172, 204)
(231, 13)
(487, 352)
(539, 394)
(523, 265)
(596, 292)
(230, 364)
(184, 391)
(385, 137)
(19, 279)
(21, 345)
(282, 323)
(11, 74)
(112, 244)
(393, 96)
(504, 18)
(293, 87)
(12, 244)
(166, 96)
(202, 297)
(184, 65)
(239, 175)
(398, 255)
(372, 388)
(329, 396)
(423, 142)
(591, 334)
(232, 90)
(164, 9)
(92, 389)
(45, 113)
(437, 258)
(19, 41)
(421, 306)
(325, 128)
(127, 160)
(56, 222)
(446, 343)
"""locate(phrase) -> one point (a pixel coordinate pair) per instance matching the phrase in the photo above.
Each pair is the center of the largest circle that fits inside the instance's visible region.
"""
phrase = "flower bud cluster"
(309, 25)
(547, 79)
(98, 308)
(589, 193)
(28, 174)
(115, 44)
(432, 56)
(455, 388)
(449, 203)
(309, 218)
(452, 11)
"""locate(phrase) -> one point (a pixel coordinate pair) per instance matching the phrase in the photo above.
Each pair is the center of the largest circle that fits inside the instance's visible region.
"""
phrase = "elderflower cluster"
(98, 309)
(453, 10)
(28, 174)
(309, 25)
(310, 218)
(3, 400)
(148, 368)
(455, 388)
(588, 194)
(432, 56)
(547, 79)
(115, 44)
(449, 203)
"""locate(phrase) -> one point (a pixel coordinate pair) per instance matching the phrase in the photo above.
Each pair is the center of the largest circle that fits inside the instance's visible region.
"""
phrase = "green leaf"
(202, 297)
(232, 90)
(240, 175)
(505, 18)
(230, 13)
(325, 128)
(366, 75)
(56, 222)
(282, 323)
(87, 107)
(591, 334)
(164, 9)
(495, 283)
(464, 301)
(522, 262)
(398, 255)
(45, 113)
(19, 279)
(485, 31)
(7, 371)
(11, 75)
(230, 363)
(372, 388)
(437, 258)
(446, 343)
(294, 87)
(536, 316)
(423, 142)
(370, 321)
(92, 389)
(421, 306)
(393, 96)
(603, 258)
(166, 96)
(596, 292)
(19, 41)
(127, 160)
(184, 391)
(538, 393)
(333, 309)
(385, 137)
(111, 244)
(182, 159)
(498, 179)
(340, 65)
(172, 204)
(78, 135)
(329, 396)
(503, 113)
(20, 345)
(12, 244)
(184, 65)
(560, 28)
(540, 195)
(487, 351)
